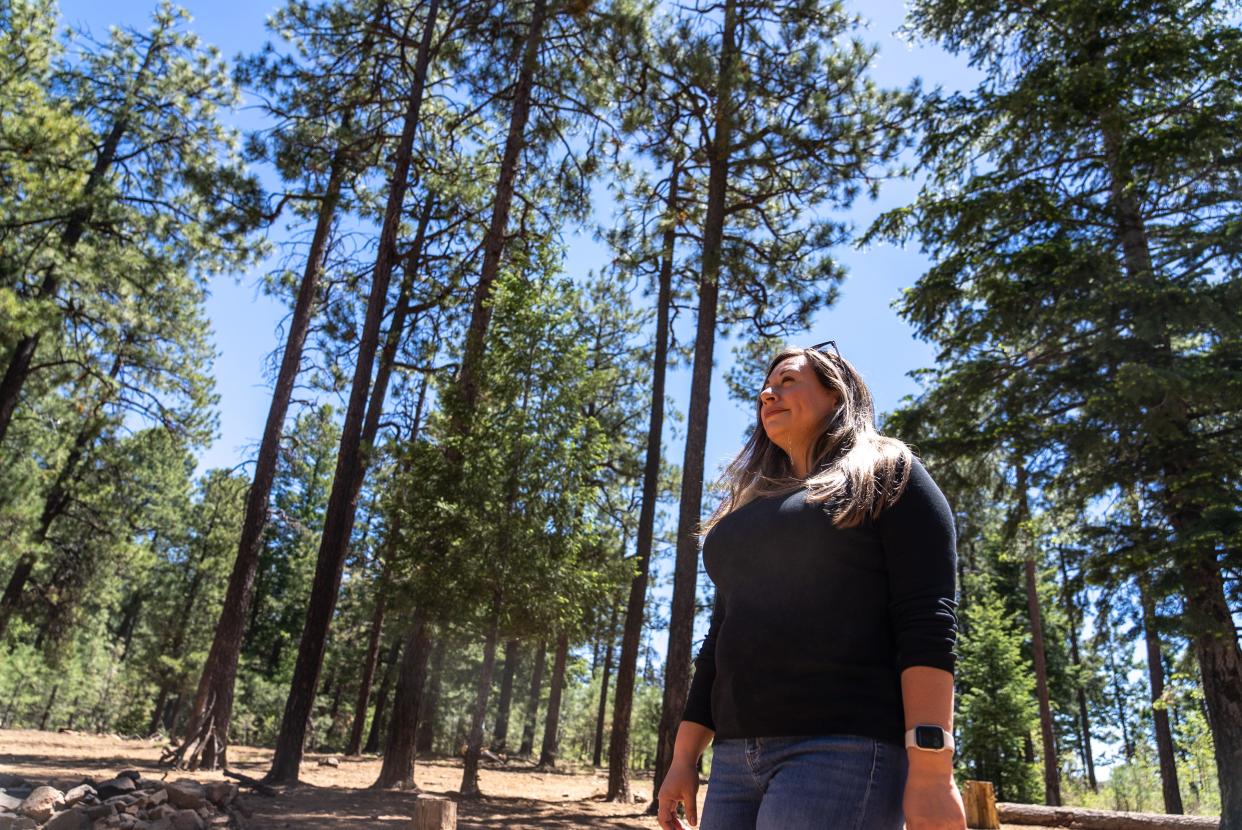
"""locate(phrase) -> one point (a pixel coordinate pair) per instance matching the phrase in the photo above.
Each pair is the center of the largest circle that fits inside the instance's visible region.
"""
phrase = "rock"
(162, 811)
(131, 774)
(187, 820)
(156, 798)
(157, 824)
(78, 793)
(149, 784)
(72, 819)
(329, 762)
(98, 811)
(17, 823)
(9, 802)
(186, 794)
(220, 793)
(120, 801)
(41, 803)
(115, 786)
(66, 784)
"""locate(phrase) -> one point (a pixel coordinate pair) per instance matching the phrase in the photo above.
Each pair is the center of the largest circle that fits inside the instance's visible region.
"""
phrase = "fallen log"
(1081, 818)
(253, 783)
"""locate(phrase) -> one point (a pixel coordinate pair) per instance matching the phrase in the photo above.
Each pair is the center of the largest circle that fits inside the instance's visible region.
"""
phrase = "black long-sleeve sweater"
(813, 624)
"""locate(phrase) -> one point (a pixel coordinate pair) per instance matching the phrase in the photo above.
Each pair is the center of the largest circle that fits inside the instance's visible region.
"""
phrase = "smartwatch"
(929, 738)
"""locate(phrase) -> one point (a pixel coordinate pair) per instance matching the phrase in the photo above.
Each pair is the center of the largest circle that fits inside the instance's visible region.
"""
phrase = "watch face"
(929, 737)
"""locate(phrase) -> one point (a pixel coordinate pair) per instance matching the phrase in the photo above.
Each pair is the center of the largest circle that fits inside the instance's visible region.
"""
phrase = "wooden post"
(980, 801)
(434, 813)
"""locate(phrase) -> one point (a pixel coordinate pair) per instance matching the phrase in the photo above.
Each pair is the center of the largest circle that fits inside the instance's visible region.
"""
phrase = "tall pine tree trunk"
(207, 734)
(551, 738)
(505, 702)
(381, 699)
(352, 458)
(425, 737)
(1071, 613)
(1052, 770)
(685, 573)
(394, 532)
(494, 242)
(603, 687)
(1160, 714)
(474, 743)
(627, 665)
(369, 662)
(532, 701)
(397, 771)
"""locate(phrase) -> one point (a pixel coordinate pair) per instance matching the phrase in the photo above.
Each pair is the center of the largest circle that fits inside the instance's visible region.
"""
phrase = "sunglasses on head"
(819, 347)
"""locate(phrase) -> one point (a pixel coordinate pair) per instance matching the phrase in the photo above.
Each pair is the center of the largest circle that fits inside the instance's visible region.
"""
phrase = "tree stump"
(432, 813)
(980, 801)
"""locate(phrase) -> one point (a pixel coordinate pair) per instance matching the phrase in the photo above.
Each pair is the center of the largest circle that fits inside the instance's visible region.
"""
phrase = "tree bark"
(1080, 817)
(551, 740)
(207, 735)
(505, 702)
(627, 664)
(425, 738)
(474, 743)
(353, 456)
(397, 771)
(603, 688)
(685, 573)
(381, 699)
(532, 701)
(1160, 714)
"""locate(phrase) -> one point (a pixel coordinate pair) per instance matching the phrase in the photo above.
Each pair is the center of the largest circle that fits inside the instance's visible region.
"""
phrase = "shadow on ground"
(316, 808)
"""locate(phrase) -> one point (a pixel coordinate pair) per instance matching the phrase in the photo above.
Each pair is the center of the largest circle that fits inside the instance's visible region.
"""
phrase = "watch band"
(929, 738)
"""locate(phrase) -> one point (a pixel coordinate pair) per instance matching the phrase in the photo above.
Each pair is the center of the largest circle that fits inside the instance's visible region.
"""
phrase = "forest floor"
(338, 797)
(515, 798)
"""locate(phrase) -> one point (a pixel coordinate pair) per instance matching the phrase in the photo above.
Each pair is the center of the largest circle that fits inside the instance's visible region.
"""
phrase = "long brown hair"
(856, 472)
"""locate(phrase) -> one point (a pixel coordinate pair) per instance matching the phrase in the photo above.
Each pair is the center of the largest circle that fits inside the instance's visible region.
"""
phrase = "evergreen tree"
(1079, 213)
(160, 193)
(996, 692)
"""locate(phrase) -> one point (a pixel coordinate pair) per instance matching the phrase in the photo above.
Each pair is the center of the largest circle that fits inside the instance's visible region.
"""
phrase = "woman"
(826, 675)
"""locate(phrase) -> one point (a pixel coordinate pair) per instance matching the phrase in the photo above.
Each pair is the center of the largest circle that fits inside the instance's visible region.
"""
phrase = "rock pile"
(126, 802)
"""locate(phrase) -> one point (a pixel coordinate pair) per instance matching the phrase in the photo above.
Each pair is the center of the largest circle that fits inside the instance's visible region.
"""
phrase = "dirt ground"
(517, 798)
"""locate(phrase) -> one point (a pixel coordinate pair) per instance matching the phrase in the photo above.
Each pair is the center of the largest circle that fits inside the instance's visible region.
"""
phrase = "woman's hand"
(681, 785)
(931, 800)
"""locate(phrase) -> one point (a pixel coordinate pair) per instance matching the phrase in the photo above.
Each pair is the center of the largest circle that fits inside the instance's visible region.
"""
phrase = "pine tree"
(996, 696)
(761, 131)
(160, 190)
(1078, 214)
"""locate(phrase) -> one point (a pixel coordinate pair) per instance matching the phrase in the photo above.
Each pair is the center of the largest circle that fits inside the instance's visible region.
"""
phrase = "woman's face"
(793, 404)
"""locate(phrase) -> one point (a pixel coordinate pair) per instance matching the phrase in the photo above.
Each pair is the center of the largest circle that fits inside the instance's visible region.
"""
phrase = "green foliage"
(996, 688)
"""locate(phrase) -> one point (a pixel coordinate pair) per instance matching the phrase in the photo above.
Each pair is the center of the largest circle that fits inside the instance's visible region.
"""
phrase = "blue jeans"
(833, 782)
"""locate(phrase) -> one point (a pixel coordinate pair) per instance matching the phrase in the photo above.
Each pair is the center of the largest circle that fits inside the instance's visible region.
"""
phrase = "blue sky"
(867, 329)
